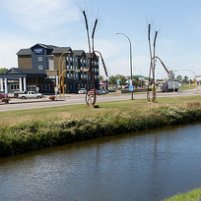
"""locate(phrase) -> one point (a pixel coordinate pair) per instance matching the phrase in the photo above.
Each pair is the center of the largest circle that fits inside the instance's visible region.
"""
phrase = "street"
(73, 99)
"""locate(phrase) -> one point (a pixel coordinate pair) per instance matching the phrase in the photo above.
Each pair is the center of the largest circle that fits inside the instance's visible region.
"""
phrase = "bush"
(52, 98)
(22, 137)
(5, 100)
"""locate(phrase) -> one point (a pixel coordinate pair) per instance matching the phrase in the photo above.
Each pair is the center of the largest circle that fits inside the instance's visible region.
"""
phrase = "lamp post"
(131, 72)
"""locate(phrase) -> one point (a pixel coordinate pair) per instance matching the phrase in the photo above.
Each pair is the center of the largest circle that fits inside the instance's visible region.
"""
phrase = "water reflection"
(148, 166)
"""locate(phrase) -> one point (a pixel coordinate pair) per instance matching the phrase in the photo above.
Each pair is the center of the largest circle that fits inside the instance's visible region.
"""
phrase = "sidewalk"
(33, 100)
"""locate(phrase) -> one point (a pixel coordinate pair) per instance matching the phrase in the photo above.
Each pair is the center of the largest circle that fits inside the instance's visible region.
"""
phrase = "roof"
(45, 46)
(78, 53)
(15, 73)
(59, 50)
(89, 55)
(24, 52)
(56, 49)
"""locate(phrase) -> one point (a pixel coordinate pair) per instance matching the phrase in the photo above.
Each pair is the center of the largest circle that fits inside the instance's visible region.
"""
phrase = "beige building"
(47, 67)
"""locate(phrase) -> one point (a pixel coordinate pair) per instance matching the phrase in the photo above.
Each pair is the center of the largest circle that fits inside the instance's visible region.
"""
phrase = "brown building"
(47, 68)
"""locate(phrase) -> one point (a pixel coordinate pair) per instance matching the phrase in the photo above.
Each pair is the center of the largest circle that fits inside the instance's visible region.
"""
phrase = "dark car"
(102, 91)
(3, 95)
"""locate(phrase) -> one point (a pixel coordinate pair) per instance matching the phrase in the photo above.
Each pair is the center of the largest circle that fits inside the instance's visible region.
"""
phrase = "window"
(40, 67)
(40, 58)
(51, 63)
(14, 87)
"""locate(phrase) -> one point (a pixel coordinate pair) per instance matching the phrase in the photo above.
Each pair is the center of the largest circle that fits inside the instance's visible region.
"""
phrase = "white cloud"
(106, 47)
(141, 65)
(114, 61)
(41, 14)
(10, 45)
(118, 65)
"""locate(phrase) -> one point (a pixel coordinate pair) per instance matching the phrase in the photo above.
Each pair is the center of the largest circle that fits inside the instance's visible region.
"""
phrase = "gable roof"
(59, 50)
(79, 53)
(89, 55)
(44, 46)
(55, 49)
(24, 52)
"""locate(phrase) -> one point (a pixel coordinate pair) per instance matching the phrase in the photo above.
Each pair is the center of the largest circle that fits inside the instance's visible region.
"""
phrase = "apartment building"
(42, 67)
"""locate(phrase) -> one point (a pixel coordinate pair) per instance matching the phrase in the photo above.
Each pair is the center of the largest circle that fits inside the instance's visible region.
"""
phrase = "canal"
(147, 166)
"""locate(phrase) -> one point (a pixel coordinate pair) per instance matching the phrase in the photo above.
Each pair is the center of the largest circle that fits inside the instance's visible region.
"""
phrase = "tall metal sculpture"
(152, 80)
(103, 62)
(90, 97)
(153, 60)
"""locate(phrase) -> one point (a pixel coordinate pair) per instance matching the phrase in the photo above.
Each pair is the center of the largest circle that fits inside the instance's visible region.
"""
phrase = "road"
(73, 99)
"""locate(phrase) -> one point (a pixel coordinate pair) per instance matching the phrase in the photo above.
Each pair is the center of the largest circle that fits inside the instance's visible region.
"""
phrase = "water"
(145, 167)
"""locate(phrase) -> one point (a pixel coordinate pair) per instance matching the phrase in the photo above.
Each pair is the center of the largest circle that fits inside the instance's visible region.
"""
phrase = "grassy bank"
(26, 130)
(194, 195)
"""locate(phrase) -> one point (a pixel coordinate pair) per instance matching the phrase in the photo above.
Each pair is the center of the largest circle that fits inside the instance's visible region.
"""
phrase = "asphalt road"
(73, 99)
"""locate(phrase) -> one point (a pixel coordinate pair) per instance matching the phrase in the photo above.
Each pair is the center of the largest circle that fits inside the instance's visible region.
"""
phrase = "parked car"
(82, 91)
(102, 91)
(16, 93)
(3, 95)
(30, 94)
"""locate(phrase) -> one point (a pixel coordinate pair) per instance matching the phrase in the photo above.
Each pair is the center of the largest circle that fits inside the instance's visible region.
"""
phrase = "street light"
(130, 50)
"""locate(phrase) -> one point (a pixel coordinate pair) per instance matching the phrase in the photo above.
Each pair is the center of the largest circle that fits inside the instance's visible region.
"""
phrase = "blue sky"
(60, 22)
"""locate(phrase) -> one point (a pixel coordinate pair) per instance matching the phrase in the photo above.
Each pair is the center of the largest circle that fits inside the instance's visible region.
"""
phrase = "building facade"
(48, 68)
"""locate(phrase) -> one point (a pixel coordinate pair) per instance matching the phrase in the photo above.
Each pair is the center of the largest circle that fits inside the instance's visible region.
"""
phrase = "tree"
(185, 80)
(2, 70)
(112, 80)
(101, 78)
(122, 79)
(117, 79)
(179, 78)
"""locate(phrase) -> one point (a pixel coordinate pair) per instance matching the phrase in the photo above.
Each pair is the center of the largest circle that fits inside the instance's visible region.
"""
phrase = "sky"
(25, 23)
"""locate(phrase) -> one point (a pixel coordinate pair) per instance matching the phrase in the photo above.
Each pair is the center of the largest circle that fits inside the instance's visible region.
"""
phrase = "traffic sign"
(131, 88)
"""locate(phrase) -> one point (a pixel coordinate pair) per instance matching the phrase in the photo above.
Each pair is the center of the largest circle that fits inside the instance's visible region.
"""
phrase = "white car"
(82, 91)
(30, 94)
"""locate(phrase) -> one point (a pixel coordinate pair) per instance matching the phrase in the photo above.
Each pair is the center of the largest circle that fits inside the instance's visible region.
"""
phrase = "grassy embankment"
(26, 130)
(194, 195)
(188, 86)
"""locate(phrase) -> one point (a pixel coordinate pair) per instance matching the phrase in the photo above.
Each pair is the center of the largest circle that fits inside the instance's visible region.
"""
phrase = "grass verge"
(194, 195)
(27, 130)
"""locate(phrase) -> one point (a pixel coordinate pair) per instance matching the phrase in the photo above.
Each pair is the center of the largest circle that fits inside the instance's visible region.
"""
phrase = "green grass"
(187, 86)
(129, 104)
(194, 195)
(27, 130)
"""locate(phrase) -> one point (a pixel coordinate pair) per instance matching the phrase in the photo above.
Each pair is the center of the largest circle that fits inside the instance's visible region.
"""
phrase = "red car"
(3, 95)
